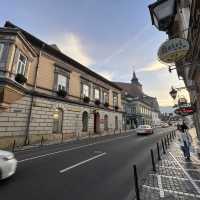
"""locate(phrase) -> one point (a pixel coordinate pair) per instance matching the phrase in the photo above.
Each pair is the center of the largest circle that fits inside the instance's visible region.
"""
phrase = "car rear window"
(144, 126)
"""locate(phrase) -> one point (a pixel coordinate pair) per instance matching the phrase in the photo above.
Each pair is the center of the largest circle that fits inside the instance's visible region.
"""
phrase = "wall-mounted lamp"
(171, 68)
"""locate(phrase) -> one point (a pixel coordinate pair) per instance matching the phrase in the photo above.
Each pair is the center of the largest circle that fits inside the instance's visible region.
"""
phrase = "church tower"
(135, 82)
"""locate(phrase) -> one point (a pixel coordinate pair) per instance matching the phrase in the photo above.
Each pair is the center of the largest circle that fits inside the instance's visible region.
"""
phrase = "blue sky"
(112, 37)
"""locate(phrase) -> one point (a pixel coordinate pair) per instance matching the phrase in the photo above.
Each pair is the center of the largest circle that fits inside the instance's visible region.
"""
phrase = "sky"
(111, 37)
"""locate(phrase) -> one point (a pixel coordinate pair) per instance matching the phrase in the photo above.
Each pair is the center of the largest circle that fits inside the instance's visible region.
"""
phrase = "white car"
(144, 130)
(8, 164)
(165, 125)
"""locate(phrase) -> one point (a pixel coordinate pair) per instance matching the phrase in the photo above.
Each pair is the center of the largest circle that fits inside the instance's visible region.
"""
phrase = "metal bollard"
(42, 140)
(137, 192)
(163, 146)
(114, 131)
(158, 150)
(62, 138)
(165, 143)
(13, 146)
(168, 140)
(153, 161)
(120, 131)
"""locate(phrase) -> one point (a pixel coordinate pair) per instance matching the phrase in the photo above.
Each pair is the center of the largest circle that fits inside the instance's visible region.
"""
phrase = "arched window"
(85, 121)
(58, 121)
(106, 122)
(116, 123)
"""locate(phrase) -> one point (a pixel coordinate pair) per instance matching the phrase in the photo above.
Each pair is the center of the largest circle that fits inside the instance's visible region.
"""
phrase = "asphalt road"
(99, 169)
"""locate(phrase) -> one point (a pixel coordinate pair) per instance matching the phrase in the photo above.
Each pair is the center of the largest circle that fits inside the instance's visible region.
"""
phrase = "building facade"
(45, 93)
(185, 24)
(139, 108)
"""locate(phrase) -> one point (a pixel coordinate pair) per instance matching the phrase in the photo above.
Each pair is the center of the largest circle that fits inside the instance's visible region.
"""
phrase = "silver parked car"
(144, 130)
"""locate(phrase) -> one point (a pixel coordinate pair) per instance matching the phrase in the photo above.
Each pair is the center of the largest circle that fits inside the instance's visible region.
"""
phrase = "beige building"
(139, 108)
(46, 93)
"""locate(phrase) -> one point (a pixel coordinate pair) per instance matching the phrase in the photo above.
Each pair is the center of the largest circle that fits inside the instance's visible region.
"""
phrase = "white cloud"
(71, 45)
(154, 66)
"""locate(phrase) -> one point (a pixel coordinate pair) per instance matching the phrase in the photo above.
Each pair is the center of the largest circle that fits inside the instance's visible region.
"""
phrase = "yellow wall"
(74, 84)
(31, 71)
(45, 77)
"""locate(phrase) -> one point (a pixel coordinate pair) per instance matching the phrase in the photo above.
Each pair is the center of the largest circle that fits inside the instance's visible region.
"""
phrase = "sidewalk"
(175, 178)
(47, 143)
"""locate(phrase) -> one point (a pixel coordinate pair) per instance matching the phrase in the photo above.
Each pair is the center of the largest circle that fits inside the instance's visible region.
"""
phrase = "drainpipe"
(26, 141)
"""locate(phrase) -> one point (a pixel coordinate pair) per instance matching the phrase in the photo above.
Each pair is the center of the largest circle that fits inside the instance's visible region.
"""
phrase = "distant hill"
(166, 109)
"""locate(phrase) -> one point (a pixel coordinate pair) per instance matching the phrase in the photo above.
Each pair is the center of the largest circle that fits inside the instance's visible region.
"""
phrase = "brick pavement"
(175, 178)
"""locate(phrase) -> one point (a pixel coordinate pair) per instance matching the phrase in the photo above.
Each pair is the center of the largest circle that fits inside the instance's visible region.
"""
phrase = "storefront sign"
(173, 50)
(185, 111)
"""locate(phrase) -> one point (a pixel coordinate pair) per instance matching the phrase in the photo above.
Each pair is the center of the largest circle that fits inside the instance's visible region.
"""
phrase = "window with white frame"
(1, 50)
(62, 82)
(115, 99)
(96, 93)
(86, 90)
(105, 97)
(21, 64)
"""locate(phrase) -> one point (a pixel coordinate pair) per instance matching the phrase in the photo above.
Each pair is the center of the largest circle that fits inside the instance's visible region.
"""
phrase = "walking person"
(185, 141)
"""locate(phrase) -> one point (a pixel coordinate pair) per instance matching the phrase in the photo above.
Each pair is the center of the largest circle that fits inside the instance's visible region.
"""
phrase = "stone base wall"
(13, 121)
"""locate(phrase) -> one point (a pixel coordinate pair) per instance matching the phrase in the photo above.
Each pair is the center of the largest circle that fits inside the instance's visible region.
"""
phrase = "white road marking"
(160, 186)
(71, 149)
(81, 163)
(185, 172)
(174, 177)
(172, 191)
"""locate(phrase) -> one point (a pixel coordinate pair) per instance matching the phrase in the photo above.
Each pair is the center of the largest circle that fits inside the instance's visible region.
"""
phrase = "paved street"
(97, 169)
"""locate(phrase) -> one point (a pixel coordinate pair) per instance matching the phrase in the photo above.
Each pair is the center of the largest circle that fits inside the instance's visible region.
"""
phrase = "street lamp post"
(162, 13)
